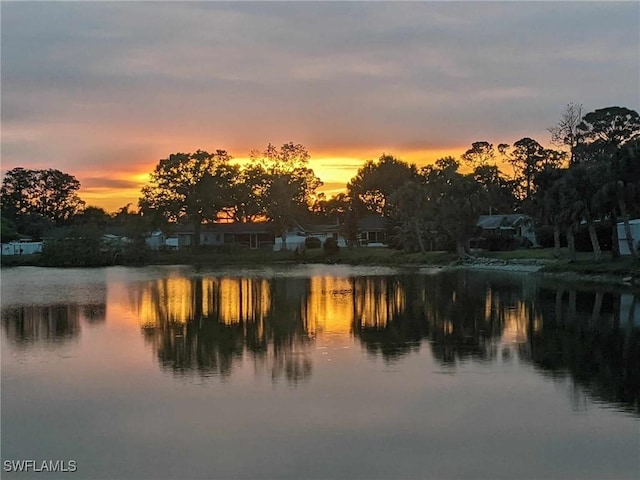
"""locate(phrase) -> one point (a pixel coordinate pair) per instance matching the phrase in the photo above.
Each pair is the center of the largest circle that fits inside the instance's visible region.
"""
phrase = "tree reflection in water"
(389, 314)
(26, 326)
(590, 340)
(205, 325)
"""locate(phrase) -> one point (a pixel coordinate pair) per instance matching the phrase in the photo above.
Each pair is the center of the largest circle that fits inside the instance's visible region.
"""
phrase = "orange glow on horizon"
(334, 169)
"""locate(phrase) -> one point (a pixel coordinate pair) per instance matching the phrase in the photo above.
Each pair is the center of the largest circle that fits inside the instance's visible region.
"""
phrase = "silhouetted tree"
(375, 181)
(285, 186)
(565, 133)
(35, 199)
(191, 187)
(454, 201)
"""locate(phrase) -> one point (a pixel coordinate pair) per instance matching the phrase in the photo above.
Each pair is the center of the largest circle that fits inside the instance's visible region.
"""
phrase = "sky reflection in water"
(319, 372)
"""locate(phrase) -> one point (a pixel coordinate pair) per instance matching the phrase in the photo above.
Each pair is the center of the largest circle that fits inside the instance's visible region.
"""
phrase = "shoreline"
(538, 267)
(562, 276)
(621, 272)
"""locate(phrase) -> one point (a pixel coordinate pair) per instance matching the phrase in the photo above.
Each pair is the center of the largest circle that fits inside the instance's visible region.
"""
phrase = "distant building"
(371, 231)
(635, 236)
(250, 234)
(323, 232)
(115, 240)
(156, 240)
(516, 226)
(21, 248)
(294, 239)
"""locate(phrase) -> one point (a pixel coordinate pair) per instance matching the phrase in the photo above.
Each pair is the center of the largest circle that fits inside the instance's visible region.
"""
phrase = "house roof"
(372, 222)
(116, 230)
(322, 228)
(492, 222)
(236, 227)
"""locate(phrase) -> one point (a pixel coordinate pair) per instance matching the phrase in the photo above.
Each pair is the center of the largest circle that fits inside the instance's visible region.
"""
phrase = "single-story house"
(514, 225)
(156, 240)
(371, 231)
(171, 243)
(294, 238)
(250, 234)
(113, 239)
(323, 232)
(623, 246)
(21, 248)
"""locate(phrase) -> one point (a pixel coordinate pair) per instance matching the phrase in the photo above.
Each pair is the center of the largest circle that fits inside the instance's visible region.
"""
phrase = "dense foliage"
(37, 200)
(583, 188)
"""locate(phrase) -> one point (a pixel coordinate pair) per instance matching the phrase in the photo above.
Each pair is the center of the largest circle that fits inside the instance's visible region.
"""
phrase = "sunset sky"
(103, 90)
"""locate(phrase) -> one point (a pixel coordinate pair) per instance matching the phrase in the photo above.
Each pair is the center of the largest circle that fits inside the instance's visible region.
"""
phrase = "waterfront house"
(323, 232)
(371, 231)
(156, 240)
(21, 248)
(515, 228)
(294, 240)
(250, 234)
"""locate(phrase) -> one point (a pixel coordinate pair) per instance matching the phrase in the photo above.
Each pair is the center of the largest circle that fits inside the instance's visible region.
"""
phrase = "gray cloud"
(94, 76)
(90, 183)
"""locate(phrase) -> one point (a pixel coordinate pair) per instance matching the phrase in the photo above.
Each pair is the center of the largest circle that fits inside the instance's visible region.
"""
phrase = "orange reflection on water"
(181, 299)
(170, 300)
(517, 319)
(377, 301)
(329, 307)
(241, 299)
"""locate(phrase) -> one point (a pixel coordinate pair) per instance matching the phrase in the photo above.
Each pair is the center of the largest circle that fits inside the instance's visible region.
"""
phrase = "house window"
(217, 238)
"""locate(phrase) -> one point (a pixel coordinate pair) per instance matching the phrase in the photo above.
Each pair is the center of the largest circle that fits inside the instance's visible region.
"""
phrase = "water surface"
(318, 372)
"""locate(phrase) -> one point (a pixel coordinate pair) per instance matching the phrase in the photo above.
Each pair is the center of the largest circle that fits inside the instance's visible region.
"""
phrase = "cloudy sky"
(103, 90)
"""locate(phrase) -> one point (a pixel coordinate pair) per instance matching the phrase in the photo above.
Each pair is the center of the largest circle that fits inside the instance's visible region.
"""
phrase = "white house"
(296, 237)
(21, 248)
(294, 240)
(623, 246)
(156, 240)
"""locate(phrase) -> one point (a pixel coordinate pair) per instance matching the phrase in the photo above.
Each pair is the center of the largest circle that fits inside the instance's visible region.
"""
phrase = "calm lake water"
(318, 372)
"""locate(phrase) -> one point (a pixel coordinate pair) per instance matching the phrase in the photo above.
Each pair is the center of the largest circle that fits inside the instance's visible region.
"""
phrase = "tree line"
(590, 177)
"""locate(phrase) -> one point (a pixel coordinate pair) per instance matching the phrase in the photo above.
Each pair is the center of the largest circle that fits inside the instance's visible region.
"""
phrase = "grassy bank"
(350, 256)
(582, 265)
(21, 260)
(620, 268)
